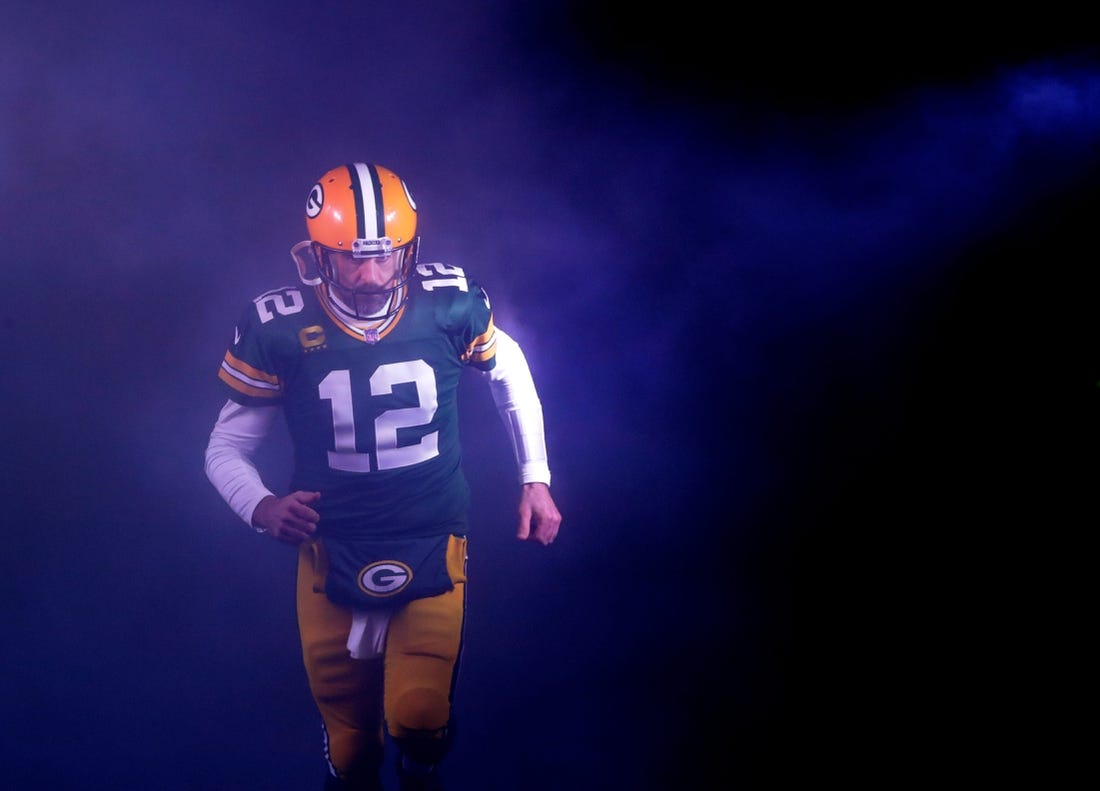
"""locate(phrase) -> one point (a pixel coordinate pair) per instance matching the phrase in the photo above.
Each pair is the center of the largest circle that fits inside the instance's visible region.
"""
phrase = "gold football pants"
(408, 690)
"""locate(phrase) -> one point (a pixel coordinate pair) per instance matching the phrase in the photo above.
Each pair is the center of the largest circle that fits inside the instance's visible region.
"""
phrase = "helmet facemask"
(374, 294)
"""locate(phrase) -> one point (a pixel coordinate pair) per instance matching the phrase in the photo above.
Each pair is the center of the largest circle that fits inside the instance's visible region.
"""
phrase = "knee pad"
(419, 710)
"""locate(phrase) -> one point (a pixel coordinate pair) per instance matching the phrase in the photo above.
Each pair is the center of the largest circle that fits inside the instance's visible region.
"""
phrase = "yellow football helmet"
(365, 210)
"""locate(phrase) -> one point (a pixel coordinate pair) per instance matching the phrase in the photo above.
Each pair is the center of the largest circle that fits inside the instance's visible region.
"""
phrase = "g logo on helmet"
(384, 578)
(315, 200)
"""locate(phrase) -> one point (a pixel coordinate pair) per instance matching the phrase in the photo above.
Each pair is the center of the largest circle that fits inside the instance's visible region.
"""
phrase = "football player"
(363, 359)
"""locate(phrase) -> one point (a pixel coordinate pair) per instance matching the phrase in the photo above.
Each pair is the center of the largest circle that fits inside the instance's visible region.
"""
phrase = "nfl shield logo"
(370, 336)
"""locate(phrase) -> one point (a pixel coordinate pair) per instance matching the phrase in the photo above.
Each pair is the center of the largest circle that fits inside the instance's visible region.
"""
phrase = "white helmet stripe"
(368, 194)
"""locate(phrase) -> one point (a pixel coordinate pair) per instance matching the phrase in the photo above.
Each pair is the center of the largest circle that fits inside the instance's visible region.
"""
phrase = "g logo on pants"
(384, 578)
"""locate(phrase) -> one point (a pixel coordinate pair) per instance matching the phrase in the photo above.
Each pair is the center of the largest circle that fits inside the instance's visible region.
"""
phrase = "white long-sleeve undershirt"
(517, 401)
(239, 431)
(236, 436)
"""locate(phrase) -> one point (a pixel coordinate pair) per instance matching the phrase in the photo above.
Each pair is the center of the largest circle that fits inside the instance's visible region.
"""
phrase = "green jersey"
(372, 412)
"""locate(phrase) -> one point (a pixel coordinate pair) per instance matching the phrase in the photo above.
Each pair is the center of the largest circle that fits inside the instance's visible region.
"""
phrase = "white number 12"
(336, 387)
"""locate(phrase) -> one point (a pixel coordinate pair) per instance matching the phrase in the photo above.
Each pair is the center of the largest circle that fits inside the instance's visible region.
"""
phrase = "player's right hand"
(288, 519)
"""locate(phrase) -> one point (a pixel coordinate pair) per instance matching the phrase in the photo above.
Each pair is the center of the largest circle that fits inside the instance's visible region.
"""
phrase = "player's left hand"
(539, 518)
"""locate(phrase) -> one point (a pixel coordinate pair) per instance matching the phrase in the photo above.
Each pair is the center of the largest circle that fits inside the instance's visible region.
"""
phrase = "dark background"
(806, 296)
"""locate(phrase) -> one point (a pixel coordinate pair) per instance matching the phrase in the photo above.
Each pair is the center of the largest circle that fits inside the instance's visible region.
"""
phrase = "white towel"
(367, 638)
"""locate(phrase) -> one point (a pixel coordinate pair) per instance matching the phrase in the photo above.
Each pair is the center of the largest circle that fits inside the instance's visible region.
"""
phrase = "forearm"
(237, 434)
(517, 401)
